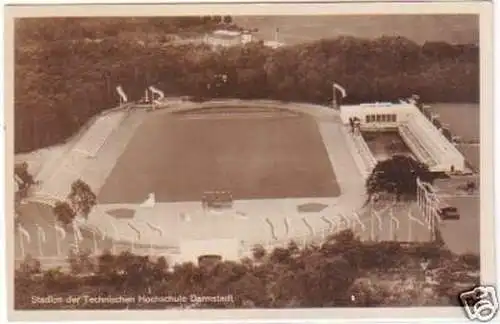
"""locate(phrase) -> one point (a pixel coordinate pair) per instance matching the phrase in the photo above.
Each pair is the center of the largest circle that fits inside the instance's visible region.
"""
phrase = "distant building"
(228, 38)
(273, 44)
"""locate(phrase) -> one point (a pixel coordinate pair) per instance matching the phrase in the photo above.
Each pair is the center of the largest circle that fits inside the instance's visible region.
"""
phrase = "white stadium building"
(424, 139)
(228, 38)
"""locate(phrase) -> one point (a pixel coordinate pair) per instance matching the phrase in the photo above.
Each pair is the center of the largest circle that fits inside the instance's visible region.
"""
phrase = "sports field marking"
(235, 116)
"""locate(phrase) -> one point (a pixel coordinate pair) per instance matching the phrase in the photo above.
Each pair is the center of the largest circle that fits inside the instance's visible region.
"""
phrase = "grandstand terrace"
(425, 140)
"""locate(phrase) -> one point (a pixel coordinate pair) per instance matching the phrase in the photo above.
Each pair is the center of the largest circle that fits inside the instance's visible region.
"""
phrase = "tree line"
(61, 84)
(61, 29)
(341, 272)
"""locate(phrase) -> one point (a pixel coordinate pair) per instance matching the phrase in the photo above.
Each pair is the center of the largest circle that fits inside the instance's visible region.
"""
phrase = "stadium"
(188, 179)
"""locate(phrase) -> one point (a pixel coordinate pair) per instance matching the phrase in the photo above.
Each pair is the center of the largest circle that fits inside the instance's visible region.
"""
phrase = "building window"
(379, 118)
(394, 118)
(367, 118)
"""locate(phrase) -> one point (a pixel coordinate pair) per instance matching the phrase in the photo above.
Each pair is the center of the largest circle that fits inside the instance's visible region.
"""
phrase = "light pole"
(77, 236)
(334, 97)
(372, 220)
(137, 237)
(59, 232)
(393, 222)
(428, 204)
(116, 236)
(23, 234)
(41, 238)
(95, 241)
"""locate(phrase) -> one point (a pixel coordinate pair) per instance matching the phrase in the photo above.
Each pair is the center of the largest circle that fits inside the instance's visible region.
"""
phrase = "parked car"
(449, 212)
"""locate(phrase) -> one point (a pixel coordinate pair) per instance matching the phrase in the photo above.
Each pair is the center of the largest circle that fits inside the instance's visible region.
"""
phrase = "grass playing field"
(180, 156)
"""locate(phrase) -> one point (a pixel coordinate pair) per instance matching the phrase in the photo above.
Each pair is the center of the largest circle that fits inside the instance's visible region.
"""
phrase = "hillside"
(63, 80)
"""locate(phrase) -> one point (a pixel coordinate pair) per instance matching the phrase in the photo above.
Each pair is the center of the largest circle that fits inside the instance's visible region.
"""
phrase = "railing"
(364, 159)
(429, 135)
(361, 164)
(416, 145)
(365, 152)
(444, 148)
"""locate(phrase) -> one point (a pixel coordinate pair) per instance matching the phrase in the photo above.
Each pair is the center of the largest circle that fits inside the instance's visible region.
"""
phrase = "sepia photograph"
(218, 159)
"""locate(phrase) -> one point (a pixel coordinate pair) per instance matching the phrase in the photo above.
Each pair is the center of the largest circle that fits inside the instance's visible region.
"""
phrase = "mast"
(334, 97)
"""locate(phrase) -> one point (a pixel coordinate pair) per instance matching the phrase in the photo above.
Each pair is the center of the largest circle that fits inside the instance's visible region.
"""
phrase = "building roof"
(223, 32)
(378, 105)
(273, 44)
(224, 37)
(227, 248)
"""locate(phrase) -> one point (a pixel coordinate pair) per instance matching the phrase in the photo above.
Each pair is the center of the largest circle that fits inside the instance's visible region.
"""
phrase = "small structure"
(275, 43)
(216, 200)
(149, 202)
(222, 249)
(228, 38)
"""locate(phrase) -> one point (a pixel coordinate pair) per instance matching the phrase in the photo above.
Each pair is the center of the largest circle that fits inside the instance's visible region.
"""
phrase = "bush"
(397, 175)
(376, 273)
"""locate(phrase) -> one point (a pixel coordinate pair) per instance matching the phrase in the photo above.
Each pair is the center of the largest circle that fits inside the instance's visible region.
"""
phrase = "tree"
(24, 180)
(21, 170)
(228, 20)
(82, 197)
(80, 262)
(49, 112)
(217, 19)
(64, 213)
(397, 175)
(345, 271)
(258, 252)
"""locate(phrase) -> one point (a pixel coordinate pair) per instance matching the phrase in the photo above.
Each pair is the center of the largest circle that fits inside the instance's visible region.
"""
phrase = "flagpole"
(40, 251)
(21, 243)
(334, 97)
(390, 228)
(409, 230)
(433, 221)
(114, 237)
(75, 239)
(95, 241)
(58, 248)
(372, 221)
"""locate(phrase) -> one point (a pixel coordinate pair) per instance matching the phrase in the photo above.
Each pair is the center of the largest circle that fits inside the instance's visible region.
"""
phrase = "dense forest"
(66, 70)
(342, 272)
